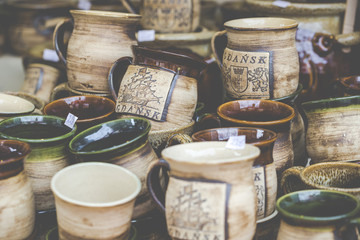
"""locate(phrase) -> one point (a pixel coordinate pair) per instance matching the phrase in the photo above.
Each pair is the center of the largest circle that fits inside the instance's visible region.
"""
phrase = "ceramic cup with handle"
(94, 201)
(210, 190)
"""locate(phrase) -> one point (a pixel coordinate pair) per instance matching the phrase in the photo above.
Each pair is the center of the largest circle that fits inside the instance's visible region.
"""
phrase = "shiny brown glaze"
(350, 85)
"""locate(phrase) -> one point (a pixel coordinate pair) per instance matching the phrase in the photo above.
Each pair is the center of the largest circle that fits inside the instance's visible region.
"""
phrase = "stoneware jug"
(318, 214)
(168, 16)
(17, 215)
(98, 39)
(331, 132)
(122, 142)
(48, 138)
(258, 57)
(210, 191)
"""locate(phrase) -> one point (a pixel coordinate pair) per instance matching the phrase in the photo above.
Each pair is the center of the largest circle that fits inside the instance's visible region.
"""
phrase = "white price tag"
(84, 4)
(224, 134)
(236, 142)
(146, 35)
(282, 4)
(70, 120)
(50, 55)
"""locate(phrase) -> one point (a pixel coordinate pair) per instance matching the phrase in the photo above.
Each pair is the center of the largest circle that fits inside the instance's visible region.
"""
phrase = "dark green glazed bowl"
(318, 207)
(330, 103)
(109, 138)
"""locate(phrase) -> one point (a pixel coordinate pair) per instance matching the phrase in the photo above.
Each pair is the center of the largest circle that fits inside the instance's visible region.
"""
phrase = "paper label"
(236, 142)
(70, 120)
(247, 74)
(282, 4)
(223, 134)
(50, 55)
(196, 209)
(145, 92)
(260, 189)
(146, 35)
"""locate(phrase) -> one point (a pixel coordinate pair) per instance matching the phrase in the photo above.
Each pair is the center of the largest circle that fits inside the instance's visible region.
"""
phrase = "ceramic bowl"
(90, 110)
(350, 85)
(38, 103)
(11, 106)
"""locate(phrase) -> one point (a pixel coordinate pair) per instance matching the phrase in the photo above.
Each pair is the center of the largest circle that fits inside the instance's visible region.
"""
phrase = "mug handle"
(313, 76)
(154, 186)
(218, 45)
(115, 68)
(58, 37)
(178, 138)
(58, 90)
(207, 121)
(291, 180)
(129, 6)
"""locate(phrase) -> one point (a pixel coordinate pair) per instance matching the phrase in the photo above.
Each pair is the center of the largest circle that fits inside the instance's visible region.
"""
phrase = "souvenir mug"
(158, 85)
(48, 138)
(210, 192)
(94, 45)
(258, 57)
(318, 214)
(17, 215)
(168, 16)
(94, 201)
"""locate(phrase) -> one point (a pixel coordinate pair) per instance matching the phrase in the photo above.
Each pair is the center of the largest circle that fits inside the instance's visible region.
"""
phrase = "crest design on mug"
(145, 92)
(194, 211)
(247, 74)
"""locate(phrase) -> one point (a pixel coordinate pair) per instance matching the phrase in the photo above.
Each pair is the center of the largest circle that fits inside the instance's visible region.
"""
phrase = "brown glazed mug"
(158, 85)
(17, 204)
(90, 110)
(210, 191)
(268, 114)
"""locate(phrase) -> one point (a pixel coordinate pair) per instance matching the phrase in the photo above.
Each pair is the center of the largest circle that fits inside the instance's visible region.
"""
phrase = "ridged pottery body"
(17, 215)
(331, 133)
(97, 40)
(260, 59)
(48, 138)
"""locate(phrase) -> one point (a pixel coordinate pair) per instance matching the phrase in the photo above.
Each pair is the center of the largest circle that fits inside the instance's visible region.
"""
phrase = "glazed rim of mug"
(288, 118)
(269, 139)
(121, 15)
(69, 100)
(26, 105)
(16, 145)
(103, 165)
(200, 153)
(33, 119)
(331, 103)
(84, 133)
(300, 218)
(332, 164)
(261, 24)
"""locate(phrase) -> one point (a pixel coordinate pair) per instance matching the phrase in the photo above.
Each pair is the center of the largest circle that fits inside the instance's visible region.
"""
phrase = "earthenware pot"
(90, 110)
(168, 16)
(100, 204)
(168, 93)
(33, 22)
(263, 169)
(208, 185)
(63, 90)
(17, 204)
(268, 114)
(253, 63)
(331, 134)
(318, 214)
(337, 176)
(349, 86)
(90, 53)
(12, 106)
(122, 142)
(48, 138)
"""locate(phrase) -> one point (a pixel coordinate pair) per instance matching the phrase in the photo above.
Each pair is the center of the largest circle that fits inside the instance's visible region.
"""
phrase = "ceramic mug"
(90, 53)
(168, 16)
(48, 137)
(258, 57)
(337, 176)
(210, 192)
(97, 198)
(12, 106)
(159, 85)
(122, 142)
(17, 215)
(330, 134)
(90, 110)
(318, 214)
